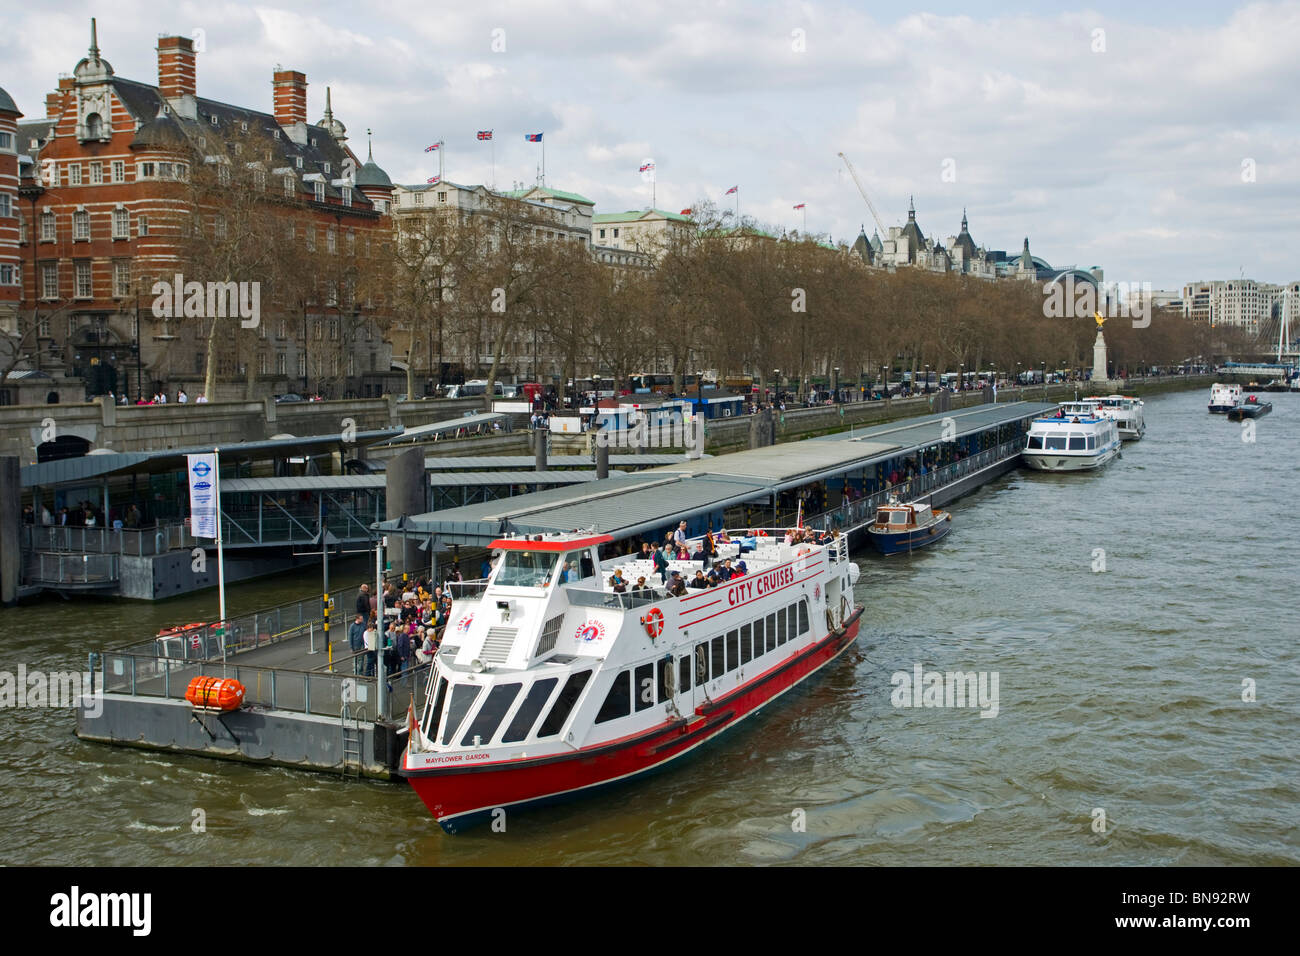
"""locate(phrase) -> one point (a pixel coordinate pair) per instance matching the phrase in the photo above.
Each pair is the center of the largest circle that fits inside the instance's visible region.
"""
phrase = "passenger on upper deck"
(699, 580)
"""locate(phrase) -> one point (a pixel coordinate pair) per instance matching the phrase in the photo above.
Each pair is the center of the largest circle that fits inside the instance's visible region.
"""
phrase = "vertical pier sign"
(202, 473)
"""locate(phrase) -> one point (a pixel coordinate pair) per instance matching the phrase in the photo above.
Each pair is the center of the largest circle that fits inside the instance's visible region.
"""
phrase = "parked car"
(288, 397)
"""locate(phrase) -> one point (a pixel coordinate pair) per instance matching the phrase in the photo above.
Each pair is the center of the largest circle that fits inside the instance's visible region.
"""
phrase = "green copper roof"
(633, 214)
(547, 191)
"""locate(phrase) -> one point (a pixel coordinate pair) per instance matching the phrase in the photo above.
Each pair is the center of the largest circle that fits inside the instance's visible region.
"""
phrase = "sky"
(1158, 140)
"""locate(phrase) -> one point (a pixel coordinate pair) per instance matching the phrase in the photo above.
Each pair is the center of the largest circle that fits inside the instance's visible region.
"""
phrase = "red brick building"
(107, 202)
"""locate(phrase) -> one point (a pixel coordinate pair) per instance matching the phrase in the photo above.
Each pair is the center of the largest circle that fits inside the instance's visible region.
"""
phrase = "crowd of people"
(413, 621)
(84, 514)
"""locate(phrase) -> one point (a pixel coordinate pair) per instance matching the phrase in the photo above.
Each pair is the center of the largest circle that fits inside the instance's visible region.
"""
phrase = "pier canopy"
(449, 428)
(931, 429)
(629, 462)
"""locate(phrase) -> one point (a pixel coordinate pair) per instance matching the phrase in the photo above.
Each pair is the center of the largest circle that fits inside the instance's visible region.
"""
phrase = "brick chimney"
(53, 105)
(176, 67)
(290, 96)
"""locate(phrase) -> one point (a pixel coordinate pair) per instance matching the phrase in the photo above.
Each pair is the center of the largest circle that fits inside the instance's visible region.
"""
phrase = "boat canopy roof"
(548, 543)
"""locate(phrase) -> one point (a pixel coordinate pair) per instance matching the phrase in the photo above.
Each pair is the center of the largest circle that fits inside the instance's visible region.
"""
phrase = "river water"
(1121, 734)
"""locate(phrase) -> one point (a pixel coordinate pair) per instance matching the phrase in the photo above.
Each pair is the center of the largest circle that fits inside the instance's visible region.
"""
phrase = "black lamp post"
(31, 192)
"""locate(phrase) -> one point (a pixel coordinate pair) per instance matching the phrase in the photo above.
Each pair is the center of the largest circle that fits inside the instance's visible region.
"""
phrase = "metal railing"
(135, 542)
(585, 597)
(275, 688)
(71, 569)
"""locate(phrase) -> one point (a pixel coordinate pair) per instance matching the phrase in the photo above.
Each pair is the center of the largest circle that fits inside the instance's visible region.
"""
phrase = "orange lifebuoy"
(654, 622)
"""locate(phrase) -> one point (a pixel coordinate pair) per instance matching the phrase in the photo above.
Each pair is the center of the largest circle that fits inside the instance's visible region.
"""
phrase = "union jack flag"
(731, 190)
(647, 167)
(485, 134)
(685, 212)
(430, 149)
(433, 179)
(800, 206)
(530, 137)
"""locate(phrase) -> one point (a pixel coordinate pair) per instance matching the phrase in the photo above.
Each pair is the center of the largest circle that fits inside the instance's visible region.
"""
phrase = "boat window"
(746, 646)
(462, 696)
(701, 664)
(719, 658)
(574, 567)
(898, 517)
(643, 689)
(792, 615)
(563, 704)
(1054, 442)
(525, 569)
(733, 652)
(803, 616)
(781, 632)
(665, 682)
(771, 632)
(684, 674)
(524, 718)
(1076, 443)
(759, 646)
(618, 701)
(489, 716)
(1035, 441)
(1092, 443)
(882, 516)
(432, 731)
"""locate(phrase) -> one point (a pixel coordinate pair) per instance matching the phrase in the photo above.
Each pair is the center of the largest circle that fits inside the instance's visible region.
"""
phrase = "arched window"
(94, 126)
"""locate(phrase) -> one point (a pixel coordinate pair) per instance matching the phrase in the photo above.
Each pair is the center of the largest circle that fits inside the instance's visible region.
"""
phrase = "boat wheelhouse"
(900, 527)
(1073, 443)
(552, 680)
(1224, 398)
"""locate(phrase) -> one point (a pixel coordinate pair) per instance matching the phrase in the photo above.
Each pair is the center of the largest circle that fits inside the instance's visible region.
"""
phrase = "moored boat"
(1126, 412)
(1074, 443)
(901, 527)
(549, 686)
(1224, 398)
(1252, 407)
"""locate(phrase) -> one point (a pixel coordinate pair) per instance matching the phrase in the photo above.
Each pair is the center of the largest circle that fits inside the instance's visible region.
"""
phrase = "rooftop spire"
(370, 148)
(329, 113)
(94, 41)
(911, 209)
(963, 218)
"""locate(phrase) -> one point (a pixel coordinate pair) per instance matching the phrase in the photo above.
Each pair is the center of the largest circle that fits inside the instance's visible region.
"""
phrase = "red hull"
(459, 795)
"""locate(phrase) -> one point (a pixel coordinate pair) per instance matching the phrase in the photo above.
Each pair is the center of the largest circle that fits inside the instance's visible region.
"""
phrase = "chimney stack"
(176, 67)
(53, 105)
(290, 96)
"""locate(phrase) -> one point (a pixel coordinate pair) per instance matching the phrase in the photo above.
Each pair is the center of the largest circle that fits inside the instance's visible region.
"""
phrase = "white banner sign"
(202, 472)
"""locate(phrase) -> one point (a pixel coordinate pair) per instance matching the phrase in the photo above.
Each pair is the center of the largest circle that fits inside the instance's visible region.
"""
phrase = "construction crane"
(874, 215)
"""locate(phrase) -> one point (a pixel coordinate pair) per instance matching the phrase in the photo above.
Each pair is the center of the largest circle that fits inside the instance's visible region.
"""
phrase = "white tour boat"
(549, 683)
(1126, 411)
(1070, 443)
(1224, 398)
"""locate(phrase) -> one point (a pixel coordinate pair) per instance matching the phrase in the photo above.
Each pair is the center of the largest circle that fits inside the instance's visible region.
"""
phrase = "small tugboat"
(903, 527)
(1224, 398)
(1252, 407)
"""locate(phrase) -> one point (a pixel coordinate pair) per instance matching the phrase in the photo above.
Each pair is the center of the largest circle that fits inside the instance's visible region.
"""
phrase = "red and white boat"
(549, 684)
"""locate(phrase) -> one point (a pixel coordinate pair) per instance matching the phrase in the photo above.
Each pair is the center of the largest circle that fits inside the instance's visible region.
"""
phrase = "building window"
(288, 186)
(374, 362)
(602, 233)
(615, 233)
(83, 280)
(327, 167)
(121, 278)
(261, 363)
(74, 174)
(381, 206)
(142, 225)
(320, 191)
(259, 179)
(311, 238)
(297, 161)
(96, 174)
(43, 327)
(6, 207)
(6, 140)
(213, 119)
(223, 175)
(352, 363)
(334, 330)
(282, 330)
(302, 365)
(49, 280)
(81, 224)
(118, 170)
(352, 242)
(319, 326)
(279, 363)
(418, 199)
(121, 223)
(347, 195)
(6, 275)
(47, 225)
(442, 196)
(219, 226)
(145, 171)
(334, 365)
(331, 240)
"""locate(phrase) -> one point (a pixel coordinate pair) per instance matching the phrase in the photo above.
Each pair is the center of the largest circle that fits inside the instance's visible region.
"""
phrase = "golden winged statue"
(1097, 316)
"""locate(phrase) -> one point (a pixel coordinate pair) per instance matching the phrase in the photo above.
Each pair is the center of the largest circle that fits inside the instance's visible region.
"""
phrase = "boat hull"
(1056, 461)
(1220, 409)
(464, 796)
(913, 540)
(1242, 412)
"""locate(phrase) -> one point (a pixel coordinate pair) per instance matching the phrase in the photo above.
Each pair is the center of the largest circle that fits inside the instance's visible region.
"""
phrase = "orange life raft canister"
(215, 693)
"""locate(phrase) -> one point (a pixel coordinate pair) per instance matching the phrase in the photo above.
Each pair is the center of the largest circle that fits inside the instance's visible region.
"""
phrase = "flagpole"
(441, 149)
(805, 219)
(543, 158)
(221, 556)
(738, 205)
(493, 140)
(654, 188)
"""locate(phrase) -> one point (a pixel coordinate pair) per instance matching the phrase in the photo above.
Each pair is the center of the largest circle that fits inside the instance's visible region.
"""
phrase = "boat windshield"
(525, 569)
(1054, 442)
(898, 517)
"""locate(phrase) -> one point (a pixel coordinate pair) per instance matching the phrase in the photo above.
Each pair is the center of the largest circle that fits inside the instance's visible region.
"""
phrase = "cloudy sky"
(1157, 140)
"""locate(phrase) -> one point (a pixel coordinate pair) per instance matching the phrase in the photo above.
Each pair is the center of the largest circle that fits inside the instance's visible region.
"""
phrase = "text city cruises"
(1224, 398)
(1070, 442)
(550, 683)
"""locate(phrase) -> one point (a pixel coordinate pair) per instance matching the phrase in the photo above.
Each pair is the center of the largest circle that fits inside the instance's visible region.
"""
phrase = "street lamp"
(927, 380)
